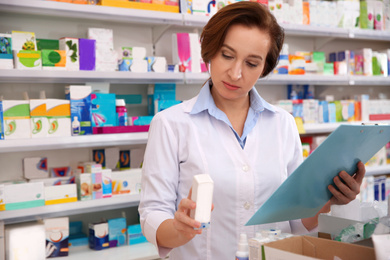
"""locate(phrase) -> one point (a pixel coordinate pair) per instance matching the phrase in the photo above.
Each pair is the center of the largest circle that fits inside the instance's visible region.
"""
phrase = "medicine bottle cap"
(120, 102)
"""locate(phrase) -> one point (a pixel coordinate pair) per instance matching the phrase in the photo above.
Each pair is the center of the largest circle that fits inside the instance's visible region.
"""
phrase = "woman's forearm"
(168, 236)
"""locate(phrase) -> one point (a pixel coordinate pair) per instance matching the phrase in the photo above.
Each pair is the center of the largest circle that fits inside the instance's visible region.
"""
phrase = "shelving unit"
(67, 209)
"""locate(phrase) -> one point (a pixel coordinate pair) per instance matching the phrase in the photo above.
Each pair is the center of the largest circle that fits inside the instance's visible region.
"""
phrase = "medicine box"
(56, 180)
(23, 41)
(98, 236)
(35, 167)
(58, 194)
(126, 182)
(117, 232)
(160, 91)
(6, 56)
(16, 115)
(107, 183)
(2, 199)
(97, 185)
(107, 157)
(58, 115)
(27, 60)
(103, 109)
(134, 235)
(84, 186)
(39, 122)
(24, 195)
(81, 108)
(53, 60)
(87, 54)
(202, 194)
(57, 235)
(47, 44)
(71, 48)
(124, 160)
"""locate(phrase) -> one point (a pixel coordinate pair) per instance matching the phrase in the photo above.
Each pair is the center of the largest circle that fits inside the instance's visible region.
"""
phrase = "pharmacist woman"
(230, 132)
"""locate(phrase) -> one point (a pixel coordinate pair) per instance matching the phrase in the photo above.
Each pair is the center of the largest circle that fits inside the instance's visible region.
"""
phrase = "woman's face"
(239, 63)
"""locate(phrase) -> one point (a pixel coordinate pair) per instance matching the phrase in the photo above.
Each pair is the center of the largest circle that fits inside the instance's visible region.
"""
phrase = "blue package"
(135, 235)
(161, 105)
(80, 109)
(98, 236)
(160, 91)
(117, 232)
(103, 109)
(325, 111)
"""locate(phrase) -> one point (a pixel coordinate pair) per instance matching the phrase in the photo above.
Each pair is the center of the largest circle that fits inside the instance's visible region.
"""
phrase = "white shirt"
(182, 145)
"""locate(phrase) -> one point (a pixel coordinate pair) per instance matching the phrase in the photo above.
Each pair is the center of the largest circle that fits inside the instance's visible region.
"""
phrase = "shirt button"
(247, 205)
(245, 168)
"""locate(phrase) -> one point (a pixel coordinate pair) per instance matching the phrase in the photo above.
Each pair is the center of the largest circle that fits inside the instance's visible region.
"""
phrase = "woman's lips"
(230, 86)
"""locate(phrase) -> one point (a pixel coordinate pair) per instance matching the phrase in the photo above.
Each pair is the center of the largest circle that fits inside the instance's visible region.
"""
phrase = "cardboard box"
(39, 121)
(58, 194)
(24, 195)
(126, 182)
(16, 115)
(35, 168)
(58, 114)
(57, 235)
(331, 226)
(306, 248)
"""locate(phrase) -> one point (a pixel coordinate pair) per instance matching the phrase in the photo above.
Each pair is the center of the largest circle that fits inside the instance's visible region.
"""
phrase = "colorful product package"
(87, 54)
(160, 91)
(1, 121)
(39, 122)
(107, 157)
(58, 115)
(47, 44)
(98, 236)
(57, 235)
(2, 200)
(23, 41)
(103, 109)
(181, 51)
(27, 60)
(24, 195)
(53, 60)
(97, 185)
(126, 182)
(58, 194)
(124, 159)
(16, 119)
(35, 167)
(107, 183)
(117, 232)
(134, 235)
(71, 48)
(157, 64)
(133, 65)
(6, 56)
(60, 171)
(81, 109)
(84, 186)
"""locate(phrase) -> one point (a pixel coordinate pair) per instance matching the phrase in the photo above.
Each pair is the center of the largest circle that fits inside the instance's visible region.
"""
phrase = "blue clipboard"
(305, 191)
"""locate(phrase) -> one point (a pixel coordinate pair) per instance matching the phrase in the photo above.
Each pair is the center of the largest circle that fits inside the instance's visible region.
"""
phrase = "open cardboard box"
(309, 248)
(330, 226)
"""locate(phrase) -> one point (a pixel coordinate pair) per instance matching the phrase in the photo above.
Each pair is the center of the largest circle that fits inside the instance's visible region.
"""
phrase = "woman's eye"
(227, 56)
(252, 65)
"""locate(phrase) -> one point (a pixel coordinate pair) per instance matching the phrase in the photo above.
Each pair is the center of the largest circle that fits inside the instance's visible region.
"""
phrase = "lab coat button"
(247, 205)
(245, 168)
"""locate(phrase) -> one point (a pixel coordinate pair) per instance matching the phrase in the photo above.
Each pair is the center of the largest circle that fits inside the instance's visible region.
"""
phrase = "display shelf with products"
(39, 144)
(67, 209)
(93, 12)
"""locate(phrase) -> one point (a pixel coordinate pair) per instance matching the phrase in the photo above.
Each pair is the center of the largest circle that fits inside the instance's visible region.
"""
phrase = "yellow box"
(138, 5)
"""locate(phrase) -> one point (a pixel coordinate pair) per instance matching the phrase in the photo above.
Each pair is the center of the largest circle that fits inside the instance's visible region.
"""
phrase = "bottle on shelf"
(75, 126)
(121, 112)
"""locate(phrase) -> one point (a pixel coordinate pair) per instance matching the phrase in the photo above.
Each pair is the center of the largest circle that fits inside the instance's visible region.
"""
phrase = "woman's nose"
(235, 71)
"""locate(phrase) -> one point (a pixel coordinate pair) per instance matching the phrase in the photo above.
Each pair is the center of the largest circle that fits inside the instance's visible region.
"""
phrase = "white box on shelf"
(71, 46)
(35, 167)
(126, 182)
(58, 114)
(39, 122)
(16, 115)
(58, 194)
(24, 195)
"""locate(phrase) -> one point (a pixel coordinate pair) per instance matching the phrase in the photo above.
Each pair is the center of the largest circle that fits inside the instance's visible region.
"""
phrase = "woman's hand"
(182, 228)
(348, 187)
(183, 223)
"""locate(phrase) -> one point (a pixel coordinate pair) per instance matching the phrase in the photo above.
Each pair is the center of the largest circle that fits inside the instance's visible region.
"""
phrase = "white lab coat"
(182, 145)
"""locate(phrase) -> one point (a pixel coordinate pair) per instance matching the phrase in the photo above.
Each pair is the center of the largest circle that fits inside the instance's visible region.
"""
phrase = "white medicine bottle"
(243, 249)
(75, 126)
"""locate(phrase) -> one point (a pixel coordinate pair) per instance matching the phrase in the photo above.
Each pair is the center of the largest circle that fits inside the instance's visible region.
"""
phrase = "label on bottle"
(122, 119)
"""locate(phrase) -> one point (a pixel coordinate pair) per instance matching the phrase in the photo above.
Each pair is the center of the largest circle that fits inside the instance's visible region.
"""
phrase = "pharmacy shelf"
(377, 170)
(76, 77)
(307, 30)
(327, 128)
(67, 209)
(52, 143)
(277, 79)
(127, 15)
(91, 12)
(143, 251)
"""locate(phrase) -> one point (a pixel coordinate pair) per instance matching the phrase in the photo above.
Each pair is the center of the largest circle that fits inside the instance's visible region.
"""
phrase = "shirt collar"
(205, 101)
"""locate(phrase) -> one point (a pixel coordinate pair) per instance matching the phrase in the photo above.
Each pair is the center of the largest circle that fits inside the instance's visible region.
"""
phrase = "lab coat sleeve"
(160, 174)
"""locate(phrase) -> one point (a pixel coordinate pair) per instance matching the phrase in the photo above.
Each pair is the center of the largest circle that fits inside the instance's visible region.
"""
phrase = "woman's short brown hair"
(245, 13)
